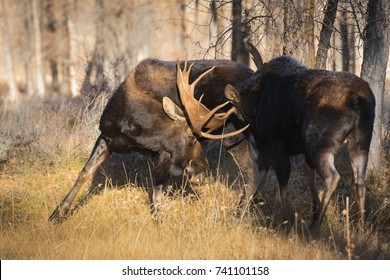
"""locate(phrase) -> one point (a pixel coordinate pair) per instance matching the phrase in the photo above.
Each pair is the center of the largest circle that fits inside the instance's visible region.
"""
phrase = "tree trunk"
(375, 58)
(100, 39)
(72, 37)
(344, 39)
(50, 44)
(352, 49)
(183, 22)
(309, 33)
(326, 33)
(13, 89)
(217, 11)
(28, 49)
(38, 49)
(298, 30)
(239, 52)
(288, 41)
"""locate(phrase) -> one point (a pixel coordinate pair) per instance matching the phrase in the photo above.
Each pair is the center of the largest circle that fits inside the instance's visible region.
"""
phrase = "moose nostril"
(199, 178)
(193, 176)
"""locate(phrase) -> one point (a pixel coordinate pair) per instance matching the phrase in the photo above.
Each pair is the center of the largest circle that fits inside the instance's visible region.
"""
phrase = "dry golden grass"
(45, 145)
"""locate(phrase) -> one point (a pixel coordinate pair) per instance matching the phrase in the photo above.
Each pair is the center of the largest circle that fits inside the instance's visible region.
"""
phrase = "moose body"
(293, 109)
(145, 115)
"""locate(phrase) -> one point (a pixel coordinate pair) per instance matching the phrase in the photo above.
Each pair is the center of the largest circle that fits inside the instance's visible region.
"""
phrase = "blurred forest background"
(77, 47)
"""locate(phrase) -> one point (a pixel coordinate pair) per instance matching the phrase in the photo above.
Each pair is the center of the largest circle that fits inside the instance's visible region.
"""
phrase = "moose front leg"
(282, 168)
(99, 154)
(245, 155)
(160, 175)
(249, 192)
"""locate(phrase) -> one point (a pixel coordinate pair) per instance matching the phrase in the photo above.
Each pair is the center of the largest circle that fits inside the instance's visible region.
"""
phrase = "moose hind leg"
(326, 169)
(359, 158)
(99, 153)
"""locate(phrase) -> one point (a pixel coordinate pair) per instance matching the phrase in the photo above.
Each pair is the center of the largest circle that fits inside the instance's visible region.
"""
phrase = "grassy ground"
(44, 145)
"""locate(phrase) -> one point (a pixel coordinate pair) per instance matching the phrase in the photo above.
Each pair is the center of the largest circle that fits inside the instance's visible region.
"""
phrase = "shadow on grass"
(134, 170)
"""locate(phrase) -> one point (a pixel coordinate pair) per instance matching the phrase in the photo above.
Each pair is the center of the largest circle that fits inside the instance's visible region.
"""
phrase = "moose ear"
(172, 110)
(232, 94)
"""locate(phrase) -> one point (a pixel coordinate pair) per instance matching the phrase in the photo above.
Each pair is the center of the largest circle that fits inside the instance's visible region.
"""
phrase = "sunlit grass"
(116, 223)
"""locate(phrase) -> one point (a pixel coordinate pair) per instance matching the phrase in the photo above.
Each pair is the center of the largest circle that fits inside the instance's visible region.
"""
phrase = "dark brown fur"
(294, 110)
(134, 120)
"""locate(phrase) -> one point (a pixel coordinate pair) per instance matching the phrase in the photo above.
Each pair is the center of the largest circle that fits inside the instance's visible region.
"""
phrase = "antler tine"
(187, 72)
(183, 77)
(202, 75)
(219, 118)
(223, 136)
(180, 77)
(228, 113)
(185, 64)
(199, 115)
(213, 111)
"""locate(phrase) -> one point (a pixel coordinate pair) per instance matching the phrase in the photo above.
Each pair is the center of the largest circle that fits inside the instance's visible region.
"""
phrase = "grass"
(45, 144)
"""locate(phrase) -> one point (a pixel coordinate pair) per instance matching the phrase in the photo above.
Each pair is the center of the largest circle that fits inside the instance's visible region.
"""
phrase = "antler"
(199, 115)
(257, 59)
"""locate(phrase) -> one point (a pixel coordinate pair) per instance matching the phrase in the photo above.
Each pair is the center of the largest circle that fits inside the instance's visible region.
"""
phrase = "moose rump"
(294, 110)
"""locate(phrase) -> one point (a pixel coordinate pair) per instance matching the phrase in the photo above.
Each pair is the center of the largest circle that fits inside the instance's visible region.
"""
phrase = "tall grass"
(45, 144)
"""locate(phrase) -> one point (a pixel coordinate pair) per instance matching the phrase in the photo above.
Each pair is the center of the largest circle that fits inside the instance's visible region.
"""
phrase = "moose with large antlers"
(293, 109)
(146, 115)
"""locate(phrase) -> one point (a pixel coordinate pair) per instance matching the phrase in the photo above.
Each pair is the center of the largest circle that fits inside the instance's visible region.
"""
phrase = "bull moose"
(293, 109)
(146, 115)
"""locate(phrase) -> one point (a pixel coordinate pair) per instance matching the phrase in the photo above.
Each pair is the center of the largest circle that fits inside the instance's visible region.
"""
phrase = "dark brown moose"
(293, 109)
(145, 115)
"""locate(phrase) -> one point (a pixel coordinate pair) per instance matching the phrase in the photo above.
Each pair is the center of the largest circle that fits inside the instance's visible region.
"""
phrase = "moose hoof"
(58, 216)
